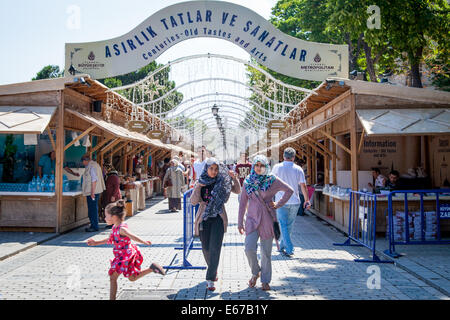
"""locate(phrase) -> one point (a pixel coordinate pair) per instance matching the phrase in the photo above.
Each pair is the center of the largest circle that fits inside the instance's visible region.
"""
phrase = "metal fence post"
(188, 233)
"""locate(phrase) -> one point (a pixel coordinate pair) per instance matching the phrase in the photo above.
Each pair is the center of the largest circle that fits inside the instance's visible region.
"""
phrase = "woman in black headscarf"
(212, 192)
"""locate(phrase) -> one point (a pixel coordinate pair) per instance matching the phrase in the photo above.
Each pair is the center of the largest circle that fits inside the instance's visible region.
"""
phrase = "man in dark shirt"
(243, 170)
(392, 183)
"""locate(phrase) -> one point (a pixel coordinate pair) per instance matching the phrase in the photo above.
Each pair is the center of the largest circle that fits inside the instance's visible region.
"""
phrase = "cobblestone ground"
(66, 268)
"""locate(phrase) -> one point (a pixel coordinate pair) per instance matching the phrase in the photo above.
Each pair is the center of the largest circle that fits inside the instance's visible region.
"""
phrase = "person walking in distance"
(127, 257)
(112, 191)
(173, 182)
(258, 191)
(212, 191)
(294, 176)
(93, 186)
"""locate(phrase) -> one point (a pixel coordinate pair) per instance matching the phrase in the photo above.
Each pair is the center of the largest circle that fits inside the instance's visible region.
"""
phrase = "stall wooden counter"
(36, 211)
(338, 213)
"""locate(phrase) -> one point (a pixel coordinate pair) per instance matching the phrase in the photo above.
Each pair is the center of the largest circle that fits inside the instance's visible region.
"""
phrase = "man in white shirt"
(380, 180)
(199, 164)
(294, 176)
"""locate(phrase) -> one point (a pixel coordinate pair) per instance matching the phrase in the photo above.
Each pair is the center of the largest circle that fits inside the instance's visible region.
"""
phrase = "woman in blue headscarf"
(212, 192)
(258, 192)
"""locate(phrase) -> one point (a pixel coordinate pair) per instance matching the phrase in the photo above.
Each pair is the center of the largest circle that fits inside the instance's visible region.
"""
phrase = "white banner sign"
(239, 25)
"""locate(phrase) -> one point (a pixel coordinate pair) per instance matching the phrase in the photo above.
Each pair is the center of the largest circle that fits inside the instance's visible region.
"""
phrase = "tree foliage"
(411, 34)
(401, 43)
(47, 72)
(160, 86)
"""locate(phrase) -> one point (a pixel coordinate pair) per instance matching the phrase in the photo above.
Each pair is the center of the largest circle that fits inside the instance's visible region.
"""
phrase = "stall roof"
(302, 133)
(178, 148)
(332, 88)
(422, 95)
(405, 121)
(25, 119)
(90, 88)
(117, 130)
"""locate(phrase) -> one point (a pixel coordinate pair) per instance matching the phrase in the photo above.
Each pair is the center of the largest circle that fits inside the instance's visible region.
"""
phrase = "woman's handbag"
(276, 225)
(168, 181)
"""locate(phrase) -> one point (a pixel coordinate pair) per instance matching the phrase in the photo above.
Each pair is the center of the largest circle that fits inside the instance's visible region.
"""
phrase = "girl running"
(127, 257)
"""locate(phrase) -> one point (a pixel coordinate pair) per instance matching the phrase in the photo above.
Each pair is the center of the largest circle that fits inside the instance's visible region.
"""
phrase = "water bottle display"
(38, 184)
(44, 186)
(65, 184)
(51, 184)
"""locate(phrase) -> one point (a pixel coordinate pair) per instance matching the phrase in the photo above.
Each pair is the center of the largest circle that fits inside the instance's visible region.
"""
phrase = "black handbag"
(276, 225)
(276, 230)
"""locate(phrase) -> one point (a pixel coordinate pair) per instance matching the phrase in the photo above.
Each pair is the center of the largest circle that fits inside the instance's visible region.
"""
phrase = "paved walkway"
(66, 268)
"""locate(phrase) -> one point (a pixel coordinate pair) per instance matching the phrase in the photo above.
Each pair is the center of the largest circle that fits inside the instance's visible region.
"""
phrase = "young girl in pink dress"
(127, 257)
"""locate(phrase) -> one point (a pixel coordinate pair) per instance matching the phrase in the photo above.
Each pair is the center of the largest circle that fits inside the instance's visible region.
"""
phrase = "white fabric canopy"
(25, 119)
(404, 121)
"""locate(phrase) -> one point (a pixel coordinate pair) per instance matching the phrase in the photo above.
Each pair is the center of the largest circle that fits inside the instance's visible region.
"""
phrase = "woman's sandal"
(265, 287)
(210, 286)
(252, 281)
(157, 269)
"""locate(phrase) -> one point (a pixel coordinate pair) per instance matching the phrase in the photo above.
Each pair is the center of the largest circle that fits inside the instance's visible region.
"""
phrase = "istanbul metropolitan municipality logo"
(91, 56)
(91, 63)
(317, 58)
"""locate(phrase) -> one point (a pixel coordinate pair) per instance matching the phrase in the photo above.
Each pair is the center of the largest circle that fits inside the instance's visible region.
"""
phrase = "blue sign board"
(444, 210)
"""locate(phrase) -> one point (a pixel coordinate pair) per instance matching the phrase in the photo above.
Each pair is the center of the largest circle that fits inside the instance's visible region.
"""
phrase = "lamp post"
(215, 110)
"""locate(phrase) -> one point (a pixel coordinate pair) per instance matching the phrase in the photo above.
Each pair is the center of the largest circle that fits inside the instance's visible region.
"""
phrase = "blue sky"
(33, 32)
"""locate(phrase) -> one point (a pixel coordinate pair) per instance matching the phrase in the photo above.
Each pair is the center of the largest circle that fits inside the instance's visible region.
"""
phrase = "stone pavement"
(66, 268)
(429, 263)
(12, 243)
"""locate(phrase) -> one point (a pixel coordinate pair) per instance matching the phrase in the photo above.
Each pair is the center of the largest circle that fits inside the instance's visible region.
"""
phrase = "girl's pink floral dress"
(127, 257)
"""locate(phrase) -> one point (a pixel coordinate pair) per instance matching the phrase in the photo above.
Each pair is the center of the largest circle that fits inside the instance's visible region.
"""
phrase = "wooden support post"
(131, 153)
(334, 163)
(326, 168)
(320, 146)
(314, 165)
(316, 149)
(361, 141)
(330, 144)
(119, 148)
(165, 154)
(124, 162)
(161, 154)
(146, 155)
(336, 142)
(109, 146)
(79, 137)
(98, 146)
(135, 150)
(59, 164)
(303, 150)
(155, 158)
(310, 161)
(354, 144)
(51, 138)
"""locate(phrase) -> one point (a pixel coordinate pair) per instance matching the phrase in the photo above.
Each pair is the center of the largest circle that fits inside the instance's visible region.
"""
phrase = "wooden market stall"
(347, 127)
(57, 114)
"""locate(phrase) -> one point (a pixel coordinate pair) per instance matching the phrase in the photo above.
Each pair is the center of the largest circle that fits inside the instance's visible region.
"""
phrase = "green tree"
(161, 78)
(437, 61)
(50, 71)
(400, 44)
(411, 26)
(351, 17)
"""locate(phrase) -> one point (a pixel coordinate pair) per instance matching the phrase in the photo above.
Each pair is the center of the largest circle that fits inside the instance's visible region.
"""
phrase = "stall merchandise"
(429, 227)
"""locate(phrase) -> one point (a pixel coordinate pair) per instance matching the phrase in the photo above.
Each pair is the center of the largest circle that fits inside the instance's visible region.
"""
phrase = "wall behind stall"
(24, 159)
(439, 159)
(390, 152)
